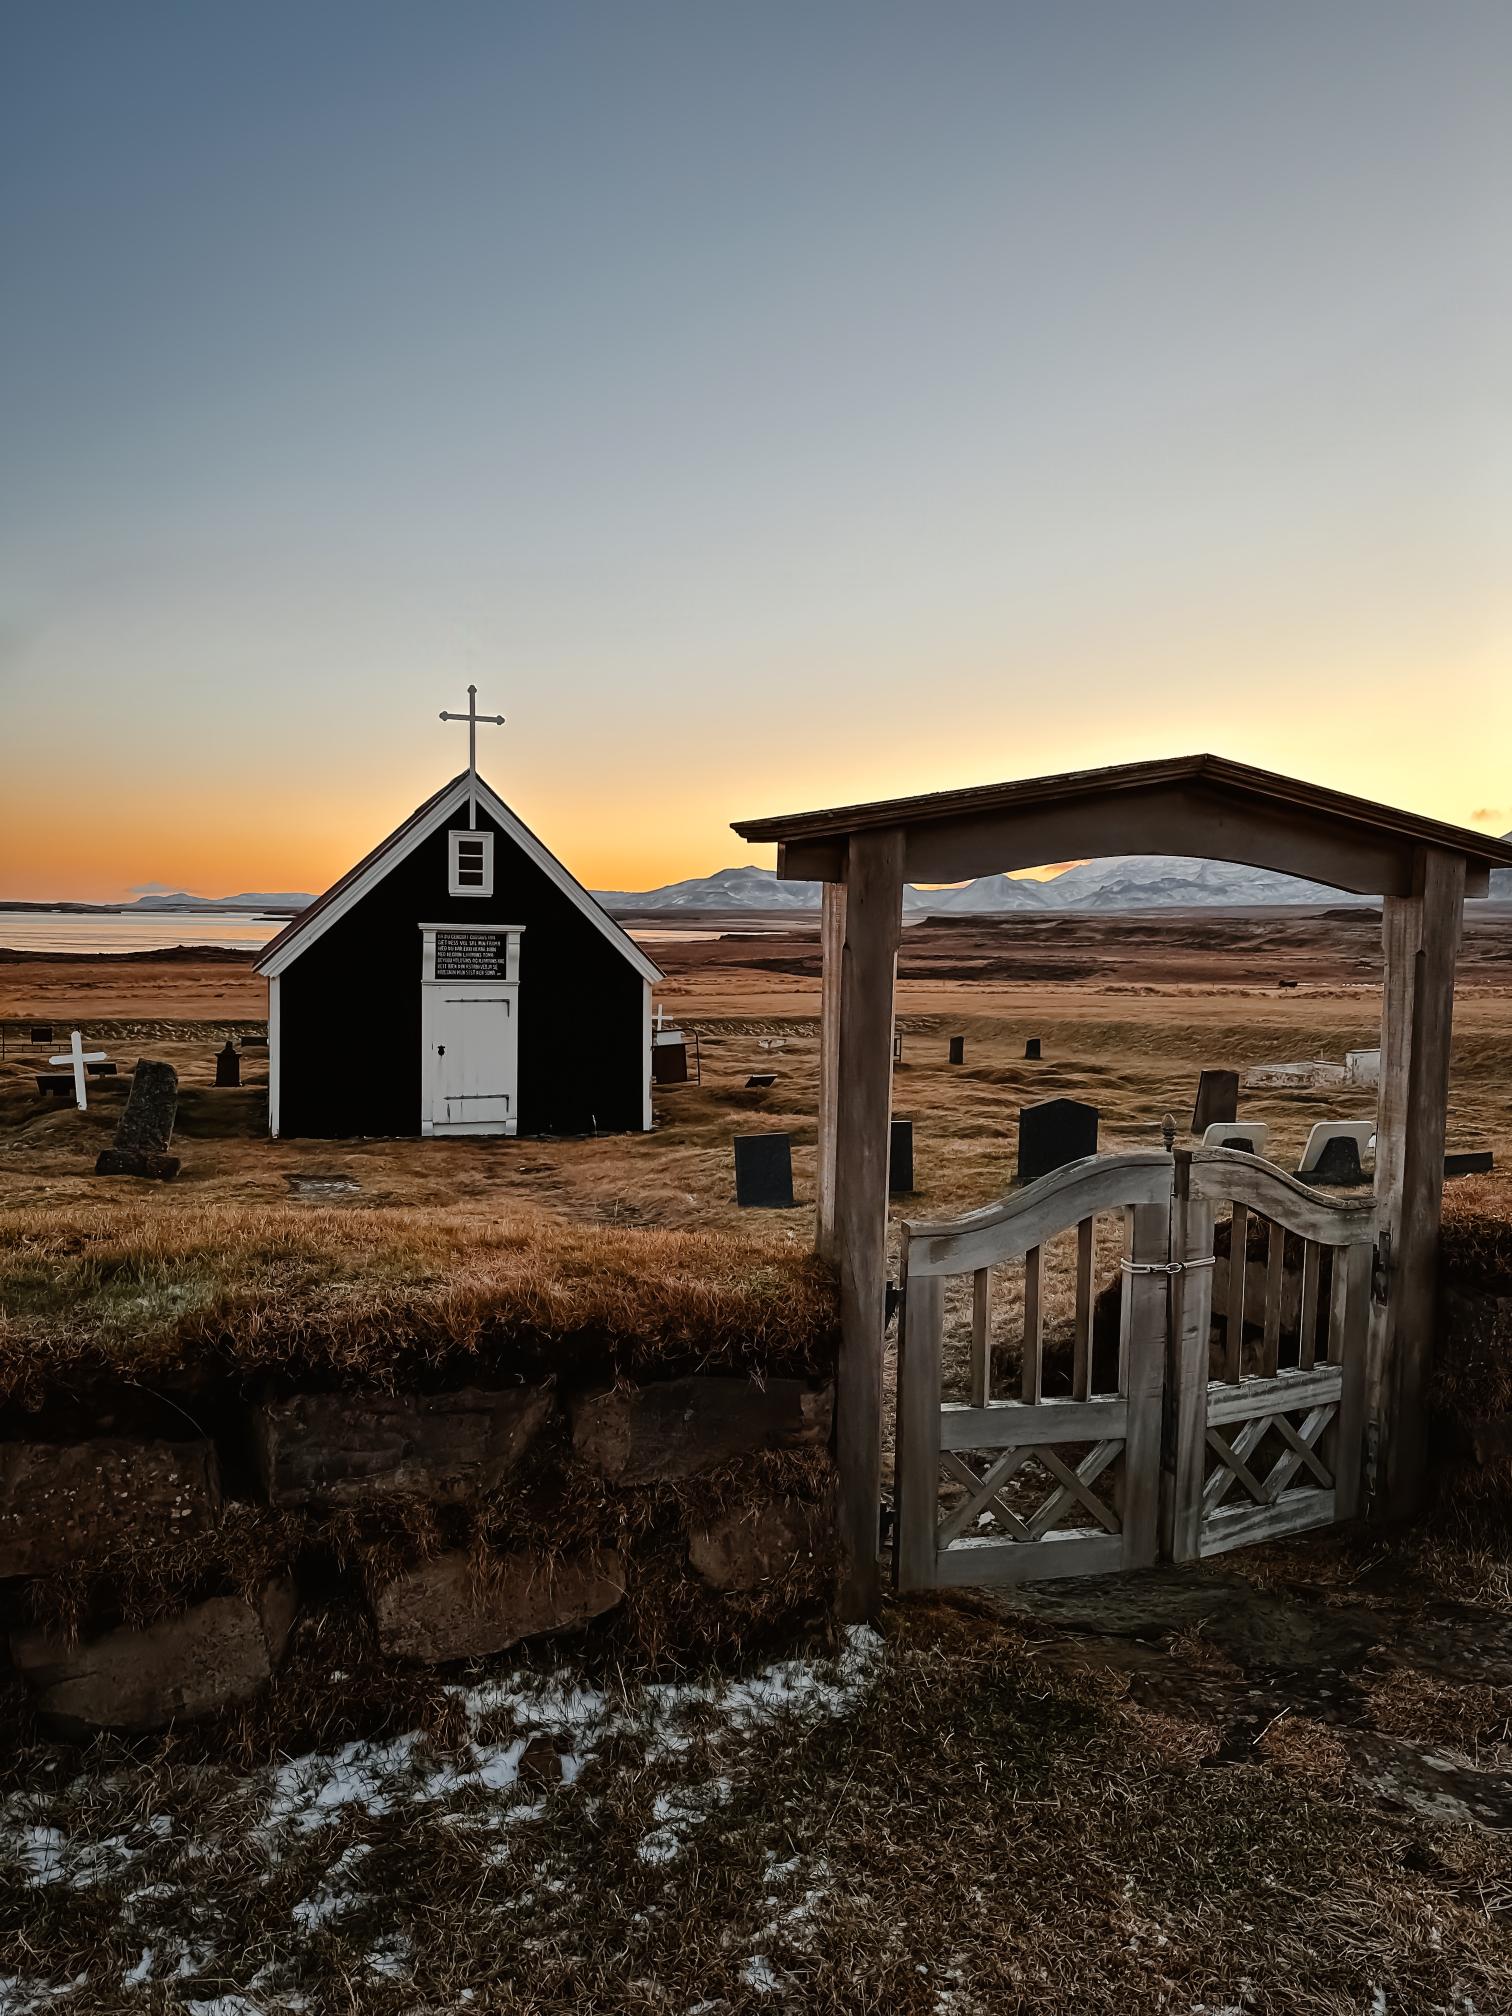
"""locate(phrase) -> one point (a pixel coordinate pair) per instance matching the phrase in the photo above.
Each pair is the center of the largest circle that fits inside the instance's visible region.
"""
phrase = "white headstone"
(1235, 1133)
(1361, 1132)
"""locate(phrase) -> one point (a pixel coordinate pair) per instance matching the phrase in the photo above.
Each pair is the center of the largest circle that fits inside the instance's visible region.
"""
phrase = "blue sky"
(764, 405)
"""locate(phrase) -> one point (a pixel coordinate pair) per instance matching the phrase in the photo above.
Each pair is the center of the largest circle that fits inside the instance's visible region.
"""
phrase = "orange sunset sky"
(764, 407)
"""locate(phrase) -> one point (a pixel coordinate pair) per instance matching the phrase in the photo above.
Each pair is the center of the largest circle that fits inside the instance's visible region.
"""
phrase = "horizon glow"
(764, 409)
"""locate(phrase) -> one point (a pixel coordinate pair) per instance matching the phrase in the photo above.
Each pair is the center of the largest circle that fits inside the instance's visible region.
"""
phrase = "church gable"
(447, 815)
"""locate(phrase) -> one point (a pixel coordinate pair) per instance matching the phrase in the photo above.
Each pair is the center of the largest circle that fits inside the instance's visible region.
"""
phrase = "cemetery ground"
(1277, 1784)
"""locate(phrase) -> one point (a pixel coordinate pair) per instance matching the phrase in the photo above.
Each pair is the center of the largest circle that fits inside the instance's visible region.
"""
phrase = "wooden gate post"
(866, 972)
(1421, 937)
(1187, 1359)
(832, 944)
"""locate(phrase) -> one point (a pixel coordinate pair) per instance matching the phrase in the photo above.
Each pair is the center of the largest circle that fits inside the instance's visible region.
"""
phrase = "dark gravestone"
(146, 1126)
(1468, 1162)
(254, 1042)
(41, 1032)
(227, 1066)
(958, 1049)
(900, 1176)
(1032, 1049)
(764, 1171)
(1052, 1134)
(1338, 1163)
(669, 1063)
(55, 1083)
(1217, 1100)
(759, 1080)
(102, 1070)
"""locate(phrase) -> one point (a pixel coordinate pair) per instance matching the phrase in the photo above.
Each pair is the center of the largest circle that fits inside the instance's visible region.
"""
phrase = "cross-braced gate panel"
(1001, 1489)
(1269, 1341)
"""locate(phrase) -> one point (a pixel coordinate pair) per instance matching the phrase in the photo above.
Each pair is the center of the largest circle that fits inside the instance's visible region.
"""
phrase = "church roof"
(302, 931)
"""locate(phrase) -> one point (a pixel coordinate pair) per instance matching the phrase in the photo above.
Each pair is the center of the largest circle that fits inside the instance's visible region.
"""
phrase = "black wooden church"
(458, 980)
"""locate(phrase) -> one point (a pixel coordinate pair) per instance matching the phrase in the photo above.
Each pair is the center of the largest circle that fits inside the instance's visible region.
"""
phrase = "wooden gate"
(1172, 1394)
(1095, 1455)
(1269, 1426)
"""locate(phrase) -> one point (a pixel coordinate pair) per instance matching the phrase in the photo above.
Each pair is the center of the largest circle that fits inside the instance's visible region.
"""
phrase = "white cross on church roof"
(472, 717)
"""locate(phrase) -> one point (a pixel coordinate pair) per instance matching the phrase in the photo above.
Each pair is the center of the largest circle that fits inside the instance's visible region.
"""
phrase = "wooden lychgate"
(1204, 806)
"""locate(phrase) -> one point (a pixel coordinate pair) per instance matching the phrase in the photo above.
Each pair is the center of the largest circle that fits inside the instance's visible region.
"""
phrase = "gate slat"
(1233, 1345)
(1275, 1276)
(1081, 1360)
(1312, 1255)
(1032, 1376)
(981, 1337)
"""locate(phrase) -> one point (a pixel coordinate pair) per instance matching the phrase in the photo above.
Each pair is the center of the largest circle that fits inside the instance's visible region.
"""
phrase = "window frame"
(454, 884)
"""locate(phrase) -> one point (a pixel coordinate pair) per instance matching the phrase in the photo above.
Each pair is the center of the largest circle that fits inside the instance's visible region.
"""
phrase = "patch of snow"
(135, 1976)
(759, 1973)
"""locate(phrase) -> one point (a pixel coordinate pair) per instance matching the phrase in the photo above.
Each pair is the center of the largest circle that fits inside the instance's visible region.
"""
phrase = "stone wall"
(147, 1579)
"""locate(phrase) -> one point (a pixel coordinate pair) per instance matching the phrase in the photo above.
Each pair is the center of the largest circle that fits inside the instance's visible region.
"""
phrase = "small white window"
(470, 871)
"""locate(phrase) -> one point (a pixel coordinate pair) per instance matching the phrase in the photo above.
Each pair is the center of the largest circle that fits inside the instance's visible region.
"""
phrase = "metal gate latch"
(1164, 1266)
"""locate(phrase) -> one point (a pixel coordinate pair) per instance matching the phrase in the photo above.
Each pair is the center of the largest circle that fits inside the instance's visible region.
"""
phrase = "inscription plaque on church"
(471, 955)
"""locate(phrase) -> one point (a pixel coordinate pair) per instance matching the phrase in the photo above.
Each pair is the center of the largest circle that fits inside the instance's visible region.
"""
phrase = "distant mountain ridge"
(1120, 882)
(180, 899)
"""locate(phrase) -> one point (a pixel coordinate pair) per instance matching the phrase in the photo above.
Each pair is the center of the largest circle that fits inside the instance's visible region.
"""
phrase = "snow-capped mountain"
(988, 895)
(1122, 882)
(1160, 881)
(726, 889)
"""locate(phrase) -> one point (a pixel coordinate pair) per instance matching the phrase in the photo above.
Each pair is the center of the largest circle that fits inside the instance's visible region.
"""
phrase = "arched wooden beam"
(1204, 806)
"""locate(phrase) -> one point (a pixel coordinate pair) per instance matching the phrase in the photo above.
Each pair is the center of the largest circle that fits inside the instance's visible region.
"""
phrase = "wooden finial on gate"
(1168, 1132)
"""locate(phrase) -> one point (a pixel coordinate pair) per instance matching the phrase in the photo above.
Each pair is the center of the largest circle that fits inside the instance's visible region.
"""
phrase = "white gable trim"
(405, 841)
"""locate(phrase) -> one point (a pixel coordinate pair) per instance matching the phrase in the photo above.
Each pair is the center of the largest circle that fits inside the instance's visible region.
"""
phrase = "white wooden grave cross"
(472, 717)
(78, 1056)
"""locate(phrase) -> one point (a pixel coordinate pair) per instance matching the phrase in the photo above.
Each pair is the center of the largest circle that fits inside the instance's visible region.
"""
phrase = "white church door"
(469, 1029)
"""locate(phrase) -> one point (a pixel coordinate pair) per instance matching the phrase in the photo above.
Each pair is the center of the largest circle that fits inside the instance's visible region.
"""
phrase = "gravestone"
(1248, 1135)
(759, 1080)
(958, 1049)
(669, 1061)
(1338, 1162)
(1054, 1133)
(254, 1043)
(1334, 1149)
(103, 1070)
(53, 1084)
(146, 1126)
(42, 1032)
(227, 1066)
(1217, 1100)
(1032, 1050)
(764, 1171)
(900, 1176)
(1469, 1162)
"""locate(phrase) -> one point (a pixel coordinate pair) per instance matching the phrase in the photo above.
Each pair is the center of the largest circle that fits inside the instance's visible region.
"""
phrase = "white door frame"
(482, 988)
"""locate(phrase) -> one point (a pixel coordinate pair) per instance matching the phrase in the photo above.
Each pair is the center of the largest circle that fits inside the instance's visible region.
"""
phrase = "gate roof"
(1205, 806)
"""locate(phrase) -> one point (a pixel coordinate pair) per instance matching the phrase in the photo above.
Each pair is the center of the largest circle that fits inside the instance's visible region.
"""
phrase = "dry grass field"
(1281, 1785)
